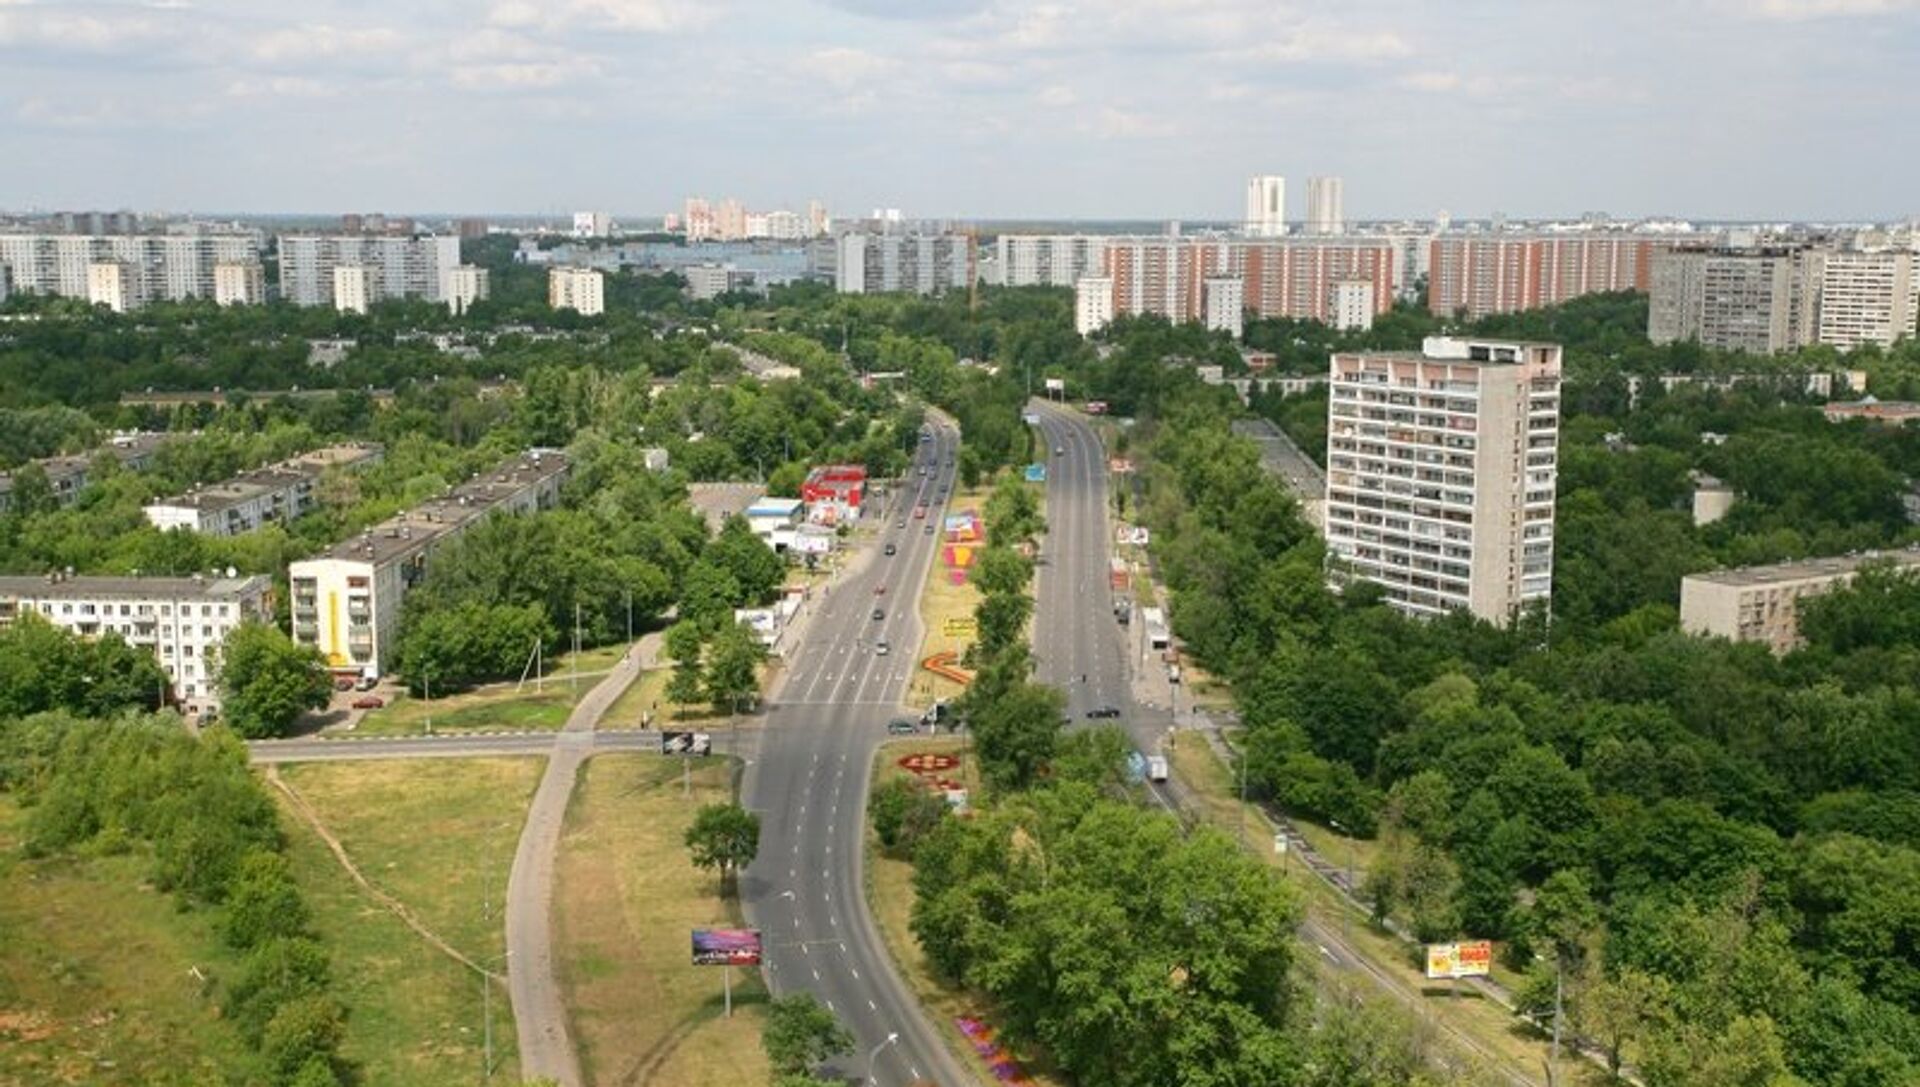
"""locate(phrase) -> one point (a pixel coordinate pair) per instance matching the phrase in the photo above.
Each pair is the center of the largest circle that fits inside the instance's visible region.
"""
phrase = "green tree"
(757, 571)
(903, 812)
(1001, 570)
(724, 837)
(304, 1032)
(268, 681)
(263, 903)
(684, 646)
(733, 667)
(801, 1034)
(1014, 735)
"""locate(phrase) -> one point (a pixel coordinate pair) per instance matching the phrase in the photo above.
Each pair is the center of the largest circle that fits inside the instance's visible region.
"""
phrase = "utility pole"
(426, 696)
(628, 595)
(576, 647)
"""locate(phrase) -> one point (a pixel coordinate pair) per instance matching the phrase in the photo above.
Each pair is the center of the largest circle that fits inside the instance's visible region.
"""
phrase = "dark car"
(343, 684)
(1102, 713)
(902, 726)
(891, 549)
(879, 614)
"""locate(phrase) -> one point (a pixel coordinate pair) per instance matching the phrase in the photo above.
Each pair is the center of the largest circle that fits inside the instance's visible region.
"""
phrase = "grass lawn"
(508, 706)
(1487, 1023)
(439, 835)
(890, 897)
(95, 977)
(626, 898)
(940, 600)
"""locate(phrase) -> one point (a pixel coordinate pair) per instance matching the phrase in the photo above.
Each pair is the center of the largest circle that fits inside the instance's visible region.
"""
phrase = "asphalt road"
(809, 782)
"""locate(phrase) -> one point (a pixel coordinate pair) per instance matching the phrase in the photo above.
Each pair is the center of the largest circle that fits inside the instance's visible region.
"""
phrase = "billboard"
(1036, 473)
(726, 947)
(956, 626)
(1056, 385)
(673, 742)
(1468, 959)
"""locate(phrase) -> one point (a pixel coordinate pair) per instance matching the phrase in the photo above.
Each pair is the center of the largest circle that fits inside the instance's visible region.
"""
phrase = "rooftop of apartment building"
(414, 530)
(1464, 349)
(248, 486)
(1787, 573)
(126, 447)
(72, 587)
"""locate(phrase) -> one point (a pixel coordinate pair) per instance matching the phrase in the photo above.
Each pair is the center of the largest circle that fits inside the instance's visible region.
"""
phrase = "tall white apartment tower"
(1441, 471)
(466, 284)
(1325, 211)
(1266, 206)
(1352, 304)
(239, 283)
(582, 290)
(1092, 304)
(356, 287)
(113, 284)
(1225, 302)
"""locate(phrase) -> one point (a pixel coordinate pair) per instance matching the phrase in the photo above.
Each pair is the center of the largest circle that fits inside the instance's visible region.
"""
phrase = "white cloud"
(1058, 95)
(1119, 124)
(104, 30)
(847, 68)
(282, 87)
(1795, 10)
(315, 41)
(537, 75)
(640, 16)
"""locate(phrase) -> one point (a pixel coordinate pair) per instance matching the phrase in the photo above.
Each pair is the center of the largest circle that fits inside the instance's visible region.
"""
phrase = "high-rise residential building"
(1092, 304)
(276, 494)
(173, 267)
(466, 284)
(817, 221)
(470, 228)
(1326, 213)
(698, 219)
(582, 290)
(409, 266)
(1352, 305)
(1294, 277)
(239, 284)
(1226, 304)
(356, 287)
(1266, 207)
(346, 600)
(113, 284)
(918, 263)
(1048, 260)
(1757, 300)
(1868, 298)
(182, 621)
(706, 282)
(1441, 472)
(730, 220)
(1482, 274)
(592, 224)
(6, 282)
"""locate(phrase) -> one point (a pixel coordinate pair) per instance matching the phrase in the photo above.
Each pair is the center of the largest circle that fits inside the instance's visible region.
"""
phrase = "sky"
(1087, 109)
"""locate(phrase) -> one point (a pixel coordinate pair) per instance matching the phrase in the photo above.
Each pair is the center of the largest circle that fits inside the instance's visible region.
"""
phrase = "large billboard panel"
(726, 947)
(674, 742)
(1468, 959)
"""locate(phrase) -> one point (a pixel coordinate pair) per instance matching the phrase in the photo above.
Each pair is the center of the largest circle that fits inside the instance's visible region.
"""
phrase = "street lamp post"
(875, 1055)
(1346, 912)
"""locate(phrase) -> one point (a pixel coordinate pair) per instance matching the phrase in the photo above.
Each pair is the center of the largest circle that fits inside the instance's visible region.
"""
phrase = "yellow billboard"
(1468, 959)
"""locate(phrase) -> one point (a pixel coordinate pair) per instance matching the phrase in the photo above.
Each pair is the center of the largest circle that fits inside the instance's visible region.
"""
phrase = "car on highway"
(368, 702)
(1059, 450)
(928, 531)
(891, 549)
(920, 513)
(902, 726)
(1157, 768)
(1103, 713)
(879, 614)
(881, 648)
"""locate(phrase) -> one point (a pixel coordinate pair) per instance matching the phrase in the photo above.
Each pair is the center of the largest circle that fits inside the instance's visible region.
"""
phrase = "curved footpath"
(540, 1015)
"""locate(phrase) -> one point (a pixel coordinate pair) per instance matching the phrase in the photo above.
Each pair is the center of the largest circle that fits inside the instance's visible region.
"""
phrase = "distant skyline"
(1124, 109)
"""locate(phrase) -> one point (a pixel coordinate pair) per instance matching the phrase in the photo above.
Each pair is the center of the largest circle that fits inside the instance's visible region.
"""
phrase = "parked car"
(902, 726)
(368, 702)
(1157, 768)
(343, 684)
(1103, 713)
(366, 683)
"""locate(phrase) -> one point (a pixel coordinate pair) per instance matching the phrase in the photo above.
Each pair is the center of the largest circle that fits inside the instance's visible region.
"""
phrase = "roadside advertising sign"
(1056, 385)
(1036, 473)
(1469, 959)
(1119, 464)
(675, 742)
(1096, 407)
(726, 947)
(957, 626)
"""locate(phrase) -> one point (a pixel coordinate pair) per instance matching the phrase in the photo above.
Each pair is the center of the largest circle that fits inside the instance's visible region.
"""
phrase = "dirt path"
(393, 905)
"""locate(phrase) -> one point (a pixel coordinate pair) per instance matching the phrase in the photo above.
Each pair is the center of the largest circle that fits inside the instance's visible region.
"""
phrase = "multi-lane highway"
(809, 779)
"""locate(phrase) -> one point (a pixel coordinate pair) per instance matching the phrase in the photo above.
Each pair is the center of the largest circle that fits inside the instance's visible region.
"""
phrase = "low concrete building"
(1761, 603)
(1711, 499)
(66, 475)
(182, 621)
(252, 500)
(1896, 412)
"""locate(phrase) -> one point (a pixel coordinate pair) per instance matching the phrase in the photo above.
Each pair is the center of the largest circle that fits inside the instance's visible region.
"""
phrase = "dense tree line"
(1664, 821)
(195, 810)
